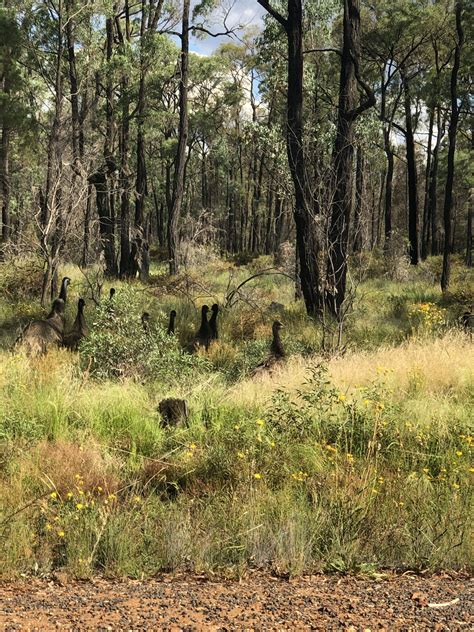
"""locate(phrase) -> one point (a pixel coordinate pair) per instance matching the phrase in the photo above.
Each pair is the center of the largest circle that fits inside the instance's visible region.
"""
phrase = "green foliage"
(118, 346)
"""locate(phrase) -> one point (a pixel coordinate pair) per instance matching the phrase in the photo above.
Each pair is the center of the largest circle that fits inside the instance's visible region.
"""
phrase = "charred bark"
(178, 180)
(453, 126)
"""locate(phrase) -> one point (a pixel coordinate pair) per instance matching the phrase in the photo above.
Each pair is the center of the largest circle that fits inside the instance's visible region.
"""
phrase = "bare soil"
(256, 602)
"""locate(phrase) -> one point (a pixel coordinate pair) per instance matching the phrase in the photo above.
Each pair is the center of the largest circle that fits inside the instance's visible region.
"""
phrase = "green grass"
(350, 463)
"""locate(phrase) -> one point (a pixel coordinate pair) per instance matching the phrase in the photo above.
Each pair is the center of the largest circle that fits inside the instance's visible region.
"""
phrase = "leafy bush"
(118, 346)
(426, 318)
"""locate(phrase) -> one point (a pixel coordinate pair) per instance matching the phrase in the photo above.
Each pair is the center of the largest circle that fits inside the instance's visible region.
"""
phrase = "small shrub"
(117, 346)
(425, 318)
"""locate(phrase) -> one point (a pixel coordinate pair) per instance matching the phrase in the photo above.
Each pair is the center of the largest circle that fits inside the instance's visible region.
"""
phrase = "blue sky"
(247, 12)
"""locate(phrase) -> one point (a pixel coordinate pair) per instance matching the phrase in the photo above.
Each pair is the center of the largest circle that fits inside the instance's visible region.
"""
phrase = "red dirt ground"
(257, 602)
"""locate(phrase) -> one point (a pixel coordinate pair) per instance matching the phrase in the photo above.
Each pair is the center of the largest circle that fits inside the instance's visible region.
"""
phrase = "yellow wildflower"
(79, 506)
(61, 534)
(458, 453)
(257, 476)
(241, 455)
(260, 422)
(342, 397)
(69, 495)
(53, 495)
(455, 486)
(48, 527)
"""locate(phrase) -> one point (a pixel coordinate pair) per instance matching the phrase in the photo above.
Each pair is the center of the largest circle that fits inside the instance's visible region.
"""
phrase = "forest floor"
(257, 602)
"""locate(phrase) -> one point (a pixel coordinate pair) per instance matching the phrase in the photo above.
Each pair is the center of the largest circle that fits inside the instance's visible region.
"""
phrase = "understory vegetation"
(354, 461)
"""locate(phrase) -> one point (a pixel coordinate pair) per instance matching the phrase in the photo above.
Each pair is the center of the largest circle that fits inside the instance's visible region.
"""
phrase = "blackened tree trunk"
(87, 227)
(50, 213)
(453, 126)
(126, 267)
(140, 262)
(469, 231)
(106, 222)
(388, 197)
(5, 185)
(343, 153)
(76, 120)
(5, 86)
(433, 185)
(306, 240)
(387, 121)
(102, 178)
(359, 198)
(425, 236)
(178, 181)
(412, 175)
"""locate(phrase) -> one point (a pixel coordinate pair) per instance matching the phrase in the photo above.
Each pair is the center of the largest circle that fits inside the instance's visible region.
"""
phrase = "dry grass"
(440, 365)
(62, 465)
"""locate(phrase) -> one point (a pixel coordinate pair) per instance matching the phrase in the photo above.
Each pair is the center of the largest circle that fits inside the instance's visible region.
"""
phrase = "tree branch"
(370, 101)
(323, 50)
(274, 13)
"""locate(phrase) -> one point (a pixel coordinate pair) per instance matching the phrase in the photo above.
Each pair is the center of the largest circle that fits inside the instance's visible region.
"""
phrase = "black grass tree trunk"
(453, 126)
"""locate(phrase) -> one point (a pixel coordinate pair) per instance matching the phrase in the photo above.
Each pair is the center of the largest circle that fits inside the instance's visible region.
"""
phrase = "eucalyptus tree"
(453, 126)
(306, 241)
(12, 107)
(351, 105)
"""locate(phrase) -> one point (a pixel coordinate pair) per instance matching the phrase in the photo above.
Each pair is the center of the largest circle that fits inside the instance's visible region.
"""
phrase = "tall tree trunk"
(87, 228)
(308, 248)
(469, 230)
(141, 259)
(77, 131)
(178, 181)
(433, 185)
(51, 200)
(359, 197)
(426, 204)
(342, 158)
(388, 171)
(102, 178)
(412, 176)
(5, 186)
(453, 126)
(126, 267)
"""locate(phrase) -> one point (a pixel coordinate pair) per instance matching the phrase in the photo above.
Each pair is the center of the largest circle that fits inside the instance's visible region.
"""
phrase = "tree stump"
(174, 412)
